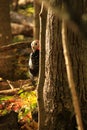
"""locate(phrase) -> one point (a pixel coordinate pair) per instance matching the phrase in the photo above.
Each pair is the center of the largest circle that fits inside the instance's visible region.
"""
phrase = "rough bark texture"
(78, 53)
(70, 76)
(43, 18)
(57, 98)
(5, 29)
(56, 91)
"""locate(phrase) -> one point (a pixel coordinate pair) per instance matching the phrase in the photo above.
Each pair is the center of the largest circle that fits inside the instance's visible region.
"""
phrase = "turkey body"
(34, 63)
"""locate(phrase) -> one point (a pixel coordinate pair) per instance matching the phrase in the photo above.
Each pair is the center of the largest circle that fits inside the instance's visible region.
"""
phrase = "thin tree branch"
(9, 83)
(15, 90)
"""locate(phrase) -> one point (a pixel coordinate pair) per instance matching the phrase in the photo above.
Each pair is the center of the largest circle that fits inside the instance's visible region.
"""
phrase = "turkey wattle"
(34, 59)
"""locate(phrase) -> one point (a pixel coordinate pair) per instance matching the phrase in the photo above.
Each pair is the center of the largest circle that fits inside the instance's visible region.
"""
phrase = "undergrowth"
(23, 103)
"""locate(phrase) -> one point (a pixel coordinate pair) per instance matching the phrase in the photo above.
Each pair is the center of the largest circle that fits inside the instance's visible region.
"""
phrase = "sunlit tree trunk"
(5, 28)
(43, 18)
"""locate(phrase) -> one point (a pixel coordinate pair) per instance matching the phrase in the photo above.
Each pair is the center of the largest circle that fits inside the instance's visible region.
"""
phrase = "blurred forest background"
(17, 25)
(61, 27)
(16, 34)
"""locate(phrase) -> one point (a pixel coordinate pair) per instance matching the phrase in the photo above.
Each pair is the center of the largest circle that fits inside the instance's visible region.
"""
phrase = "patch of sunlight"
(18, 38)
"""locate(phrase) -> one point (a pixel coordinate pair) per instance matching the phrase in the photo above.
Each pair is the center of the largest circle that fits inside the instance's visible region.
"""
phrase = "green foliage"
(5, 98)
(27, 10)
(18, 38)
(24, 104)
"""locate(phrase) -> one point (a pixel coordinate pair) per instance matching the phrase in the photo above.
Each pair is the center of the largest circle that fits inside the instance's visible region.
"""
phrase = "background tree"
(57, 98)
(5, 28)
(37, 8)
(5, 38)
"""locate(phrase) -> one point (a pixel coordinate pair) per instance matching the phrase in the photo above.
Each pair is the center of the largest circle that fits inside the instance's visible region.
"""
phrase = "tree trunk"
(70, 76)
(56, 91)
(37, 7)
(57, 97)
(43, 18)
(5, 28)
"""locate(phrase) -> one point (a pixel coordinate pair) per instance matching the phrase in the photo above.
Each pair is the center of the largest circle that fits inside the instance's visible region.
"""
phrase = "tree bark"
(41, 116)
(57, 97)
(70, 76)
(56, 86)
(5, 28)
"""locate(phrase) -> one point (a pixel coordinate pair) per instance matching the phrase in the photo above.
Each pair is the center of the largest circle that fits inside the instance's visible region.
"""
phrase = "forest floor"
(24, 103)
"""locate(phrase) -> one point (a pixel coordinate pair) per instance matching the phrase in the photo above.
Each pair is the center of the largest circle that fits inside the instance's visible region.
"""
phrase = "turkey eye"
(35, 43)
